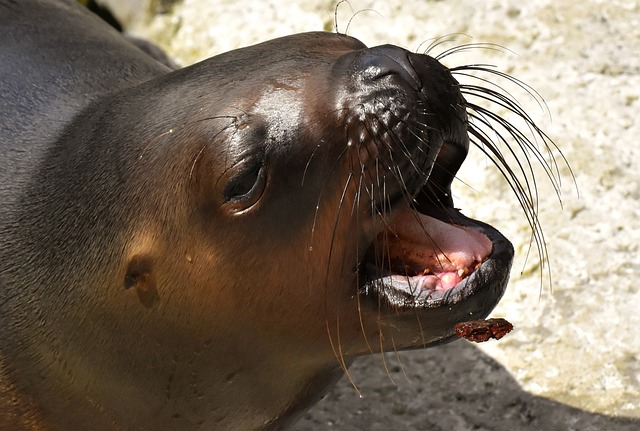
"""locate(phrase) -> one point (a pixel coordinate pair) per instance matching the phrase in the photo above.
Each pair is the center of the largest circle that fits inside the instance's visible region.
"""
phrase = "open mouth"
(429, 255)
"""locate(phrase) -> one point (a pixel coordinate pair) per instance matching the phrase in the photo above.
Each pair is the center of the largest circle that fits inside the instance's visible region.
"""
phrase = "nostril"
(385, 60)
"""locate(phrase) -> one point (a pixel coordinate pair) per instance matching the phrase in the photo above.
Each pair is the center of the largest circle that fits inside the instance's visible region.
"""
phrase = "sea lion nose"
(382, 61)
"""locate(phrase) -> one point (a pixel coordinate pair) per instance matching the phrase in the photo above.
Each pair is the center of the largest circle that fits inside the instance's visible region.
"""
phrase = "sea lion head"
(319, 198)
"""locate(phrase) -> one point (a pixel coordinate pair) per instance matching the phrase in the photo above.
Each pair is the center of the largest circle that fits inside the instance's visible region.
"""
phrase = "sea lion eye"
(246, 182)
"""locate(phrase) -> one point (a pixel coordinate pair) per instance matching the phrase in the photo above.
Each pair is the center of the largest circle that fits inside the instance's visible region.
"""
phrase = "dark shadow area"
(455, 387)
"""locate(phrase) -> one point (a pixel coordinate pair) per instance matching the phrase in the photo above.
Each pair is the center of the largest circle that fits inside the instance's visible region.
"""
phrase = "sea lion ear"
(139, 275)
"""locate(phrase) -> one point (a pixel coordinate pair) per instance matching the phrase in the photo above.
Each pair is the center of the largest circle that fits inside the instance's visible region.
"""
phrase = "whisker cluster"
(489, 132)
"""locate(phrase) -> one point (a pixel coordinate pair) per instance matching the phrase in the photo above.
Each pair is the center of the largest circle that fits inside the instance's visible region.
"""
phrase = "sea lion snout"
(388, 66)
(405, 114)
(385, 60)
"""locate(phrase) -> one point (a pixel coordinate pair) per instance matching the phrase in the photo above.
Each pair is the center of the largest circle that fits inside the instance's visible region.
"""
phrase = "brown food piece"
(482, 330)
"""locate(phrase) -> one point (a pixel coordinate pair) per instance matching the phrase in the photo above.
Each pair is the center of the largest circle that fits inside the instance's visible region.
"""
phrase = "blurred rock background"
(573, 361)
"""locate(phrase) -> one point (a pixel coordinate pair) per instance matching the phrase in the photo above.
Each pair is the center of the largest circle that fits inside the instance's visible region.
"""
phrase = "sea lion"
(148, 47)
(211, 247)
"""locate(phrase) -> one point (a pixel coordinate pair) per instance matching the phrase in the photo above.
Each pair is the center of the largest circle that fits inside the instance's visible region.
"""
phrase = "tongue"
(421, 245)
